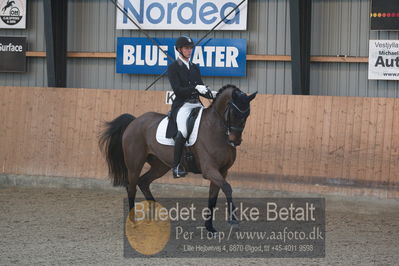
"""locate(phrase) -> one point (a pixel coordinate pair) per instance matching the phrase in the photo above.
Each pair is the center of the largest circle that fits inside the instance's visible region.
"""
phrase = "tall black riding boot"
(178, 170)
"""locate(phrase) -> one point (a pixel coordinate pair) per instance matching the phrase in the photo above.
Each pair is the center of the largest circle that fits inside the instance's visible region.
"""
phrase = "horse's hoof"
(210, 228)
(234, 223)
(235, 227)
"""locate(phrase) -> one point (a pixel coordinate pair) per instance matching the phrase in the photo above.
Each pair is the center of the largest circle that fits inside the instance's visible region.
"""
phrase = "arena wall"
(318, 144)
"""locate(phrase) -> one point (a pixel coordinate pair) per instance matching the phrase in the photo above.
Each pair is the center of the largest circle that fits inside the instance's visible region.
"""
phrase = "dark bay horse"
(129, 142)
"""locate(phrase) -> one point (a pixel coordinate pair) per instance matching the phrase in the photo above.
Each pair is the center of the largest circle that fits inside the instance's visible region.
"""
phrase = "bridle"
(232, 107)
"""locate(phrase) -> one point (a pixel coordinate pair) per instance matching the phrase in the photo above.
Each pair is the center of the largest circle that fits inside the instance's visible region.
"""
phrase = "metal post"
(55, 28)
(300, 11)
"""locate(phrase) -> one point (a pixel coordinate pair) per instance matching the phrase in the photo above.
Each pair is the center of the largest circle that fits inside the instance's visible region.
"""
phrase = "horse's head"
(233, 106)
(236, 114)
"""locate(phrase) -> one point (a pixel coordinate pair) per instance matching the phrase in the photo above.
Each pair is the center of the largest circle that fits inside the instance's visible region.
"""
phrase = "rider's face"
(186, 51)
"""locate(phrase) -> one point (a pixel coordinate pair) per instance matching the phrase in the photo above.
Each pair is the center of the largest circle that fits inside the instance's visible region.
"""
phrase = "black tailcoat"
(183, 82)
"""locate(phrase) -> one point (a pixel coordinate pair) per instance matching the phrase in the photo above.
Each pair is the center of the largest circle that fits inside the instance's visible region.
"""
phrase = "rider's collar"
(184, 61)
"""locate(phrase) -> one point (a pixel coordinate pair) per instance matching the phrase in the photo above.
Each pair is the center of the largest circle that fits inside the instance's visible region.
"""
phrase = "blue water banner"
(215, 57)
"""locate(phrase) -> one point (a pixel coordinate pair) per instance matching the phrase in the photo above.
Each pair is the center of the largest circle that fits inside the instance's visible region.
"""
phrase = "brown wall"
(323, 144)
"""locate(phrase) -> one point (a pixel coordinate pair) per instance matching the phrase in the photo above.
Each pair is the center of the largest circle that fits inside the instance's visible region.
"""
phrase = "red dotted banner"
(384, 15)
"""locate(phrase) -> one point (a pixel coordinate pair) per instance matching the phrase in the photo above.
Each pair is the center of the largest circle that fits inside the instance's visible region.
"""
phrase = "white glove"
(202, 89)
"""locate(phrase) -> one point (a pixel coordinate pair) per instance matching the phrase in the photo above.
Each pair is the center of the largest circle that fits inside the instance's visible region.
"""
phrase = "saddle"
(193, 121)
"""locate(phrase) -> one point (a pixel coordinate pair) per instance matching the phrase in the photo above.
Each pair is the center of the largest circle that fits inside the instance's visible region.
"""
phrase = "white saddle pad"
(161, 132)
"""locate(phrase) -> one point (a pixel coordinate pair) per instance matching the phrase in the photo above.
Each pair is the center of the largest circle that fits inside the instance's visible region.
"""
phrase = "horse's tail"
(110, 143)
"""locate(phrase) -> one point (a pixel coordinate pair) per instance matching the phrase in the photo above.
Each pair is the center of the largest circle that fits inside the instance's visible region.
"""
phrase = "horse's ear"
(252, 96)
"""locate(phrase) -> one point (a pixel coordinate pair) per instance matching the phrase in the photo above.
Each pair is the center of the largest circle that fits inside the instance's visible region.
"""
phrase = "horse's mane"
(223, 89)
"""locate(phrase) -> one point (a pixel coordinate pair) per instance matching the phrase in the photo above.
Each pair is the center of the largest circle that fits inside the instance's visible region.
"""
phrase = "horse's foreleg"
(228, 191)
(219, 180)
(213, 196)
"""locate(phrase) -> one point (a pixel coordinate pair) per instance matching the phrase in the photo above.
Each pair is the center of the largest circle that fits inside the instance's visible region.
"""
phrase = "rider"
(185, 79)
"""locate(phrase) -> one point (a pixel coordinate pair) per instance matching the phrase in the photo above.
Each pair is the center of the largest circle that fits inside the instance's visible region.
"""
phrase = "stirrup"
(178, 172)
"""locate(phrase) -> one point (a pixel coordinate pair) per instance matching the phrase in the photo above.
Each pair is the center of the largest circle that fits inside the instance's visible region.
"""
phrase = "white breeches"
(182, 116)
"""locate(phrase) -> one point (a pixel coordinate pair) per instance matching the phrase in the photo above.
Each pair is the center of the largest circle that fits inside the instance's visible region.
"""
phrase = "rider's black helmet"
(184, 41)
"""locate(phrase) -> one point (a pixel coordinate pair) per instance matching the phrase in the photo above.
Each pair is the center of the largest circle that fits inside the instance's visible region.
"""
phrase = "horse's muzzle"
(235, 143)
(232, 144)
(234, 139)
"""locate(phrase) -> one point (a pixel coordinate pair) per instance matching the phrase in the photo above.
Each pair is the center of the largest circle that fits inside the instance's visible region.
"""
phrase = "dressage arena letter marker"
(170, 97)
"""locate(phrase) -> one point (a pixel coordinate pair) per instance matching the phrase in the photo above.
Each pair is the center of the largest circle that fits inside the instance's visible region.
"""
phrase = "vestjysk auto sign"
(182, 14)
(384, 59)
(215, 57)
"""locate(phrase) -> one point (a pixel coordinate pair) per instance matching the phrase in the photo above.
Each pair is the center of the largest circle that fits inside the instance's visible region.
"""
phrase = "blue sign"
(215, 57)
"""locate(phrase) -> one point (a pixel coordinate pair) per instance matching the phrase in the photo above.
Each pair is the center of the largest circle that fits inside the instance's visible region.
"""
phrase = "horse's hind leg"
(134, 169)
(133, 176)
(157, 170)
